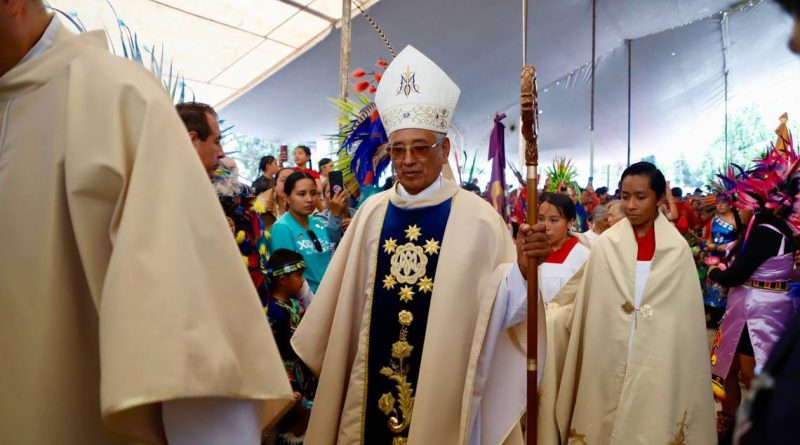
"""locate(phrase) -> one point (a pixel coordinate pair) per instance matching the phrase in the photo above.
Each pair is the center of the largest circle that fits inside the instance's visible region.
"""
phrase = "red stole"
(560, 255)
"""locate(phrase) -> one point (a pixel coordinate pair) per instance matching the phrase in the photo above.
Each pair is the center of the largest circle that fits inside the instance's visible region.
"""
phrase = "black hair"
(265, 161)
(790, 6)
(292, 179)
(657, 182)
(562, 202)
(677, 192)
(323, 162)
(193, 115)
(307, 151)
(601, 191)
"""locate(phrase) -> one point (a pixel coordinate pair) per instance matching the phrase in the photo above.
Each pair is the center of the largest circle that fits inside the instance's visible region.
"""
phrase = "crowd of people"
(159, 299)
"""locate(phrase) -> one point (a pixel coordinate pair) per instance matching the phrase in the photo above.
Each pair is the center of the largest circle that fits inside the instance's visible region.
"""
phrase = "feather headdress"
(560, 175)
(773, 181)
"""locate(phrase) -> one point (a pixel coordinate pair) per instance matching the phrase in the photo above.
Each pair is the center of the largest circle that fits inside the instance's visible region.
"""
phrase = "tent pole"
(344, 53)
(591, 102)
(628, 44)
(726, 70)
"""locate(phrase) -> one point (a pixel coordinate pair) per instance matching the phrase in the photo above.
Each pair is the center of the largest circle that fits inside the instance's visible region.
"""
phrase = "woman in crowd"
(758, 307)
(720, 234)
(302, 162)
(271, 204)
(299, 231)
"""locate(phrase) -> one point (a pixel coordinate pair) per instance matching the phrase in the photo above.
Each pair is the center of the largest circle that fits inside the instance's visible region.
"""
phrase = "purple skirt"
(765, 312)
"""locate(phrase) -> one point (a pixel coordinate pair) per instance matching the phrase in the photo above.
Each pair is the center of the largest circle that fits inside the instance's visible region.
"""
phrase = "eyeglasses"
(418, 151)
(315, 240)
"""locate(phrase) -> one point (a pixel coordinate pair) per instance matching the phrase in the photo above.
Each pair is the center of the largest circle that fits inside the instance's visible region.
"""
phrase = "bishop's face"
(417, 157)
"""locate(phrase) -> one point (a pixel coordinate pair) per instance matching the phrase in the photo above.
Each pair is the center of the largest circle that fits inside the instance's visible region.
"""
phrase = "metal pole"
(724, 167)
(591, 106)
(344, 53)
(629, 45)
(524, 32)
(726, 39)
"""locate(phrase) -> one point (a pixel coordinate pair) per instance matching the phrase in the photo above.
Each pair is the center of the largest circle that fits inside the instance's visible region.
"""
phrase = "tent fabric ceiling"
(220, 47)
(677, 69)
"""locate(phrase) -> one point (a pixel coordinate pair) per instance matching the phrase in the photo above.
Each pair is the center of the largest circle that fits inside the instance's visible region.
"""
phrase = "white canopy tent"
(269, 65)
(677, 64)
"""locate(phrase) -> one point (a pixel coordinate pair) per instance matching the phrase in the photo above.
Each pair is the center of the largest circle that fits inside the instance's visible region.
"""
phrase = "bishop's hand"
(532, 245)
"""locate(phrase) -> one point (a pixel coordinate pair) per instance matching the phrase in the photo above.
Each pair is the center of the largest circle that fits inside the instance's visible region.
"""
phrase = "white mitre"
(415, 93)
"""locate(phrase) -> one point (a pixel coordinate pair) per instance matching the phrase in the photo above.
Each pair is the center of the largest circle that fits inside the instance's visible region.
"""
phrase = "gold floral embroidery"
(401, 350)
(386, 402)
(399, 409)
(680, 435)
(405, 318)
(399, 441)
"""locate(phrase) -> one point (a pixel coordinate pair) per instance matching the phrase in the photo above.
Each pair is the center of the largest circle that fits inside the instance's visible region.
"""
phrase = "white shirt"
(431, 189)
(45, 42)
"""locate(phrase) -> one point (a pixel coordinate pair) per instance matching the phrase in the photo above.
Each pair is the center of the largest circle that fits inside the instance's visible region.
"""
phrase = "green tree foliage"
(748, 138)
(248, 151)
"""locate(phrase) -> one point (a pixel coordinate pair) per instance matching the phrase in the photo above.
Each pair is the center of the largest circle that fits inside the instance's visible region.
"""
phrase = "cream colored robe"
(467, 358)
(120, 284)
(593, 391)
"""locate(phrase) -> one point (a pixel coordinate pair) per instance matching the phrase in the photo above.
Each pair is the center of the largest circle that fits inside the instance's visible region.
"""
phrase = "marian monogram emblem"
(409, 263)
(408, 83)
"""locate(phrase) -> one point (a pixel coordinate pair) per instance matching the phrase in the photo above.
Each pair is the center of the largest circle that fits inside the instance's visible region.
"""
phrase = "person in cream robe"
(127, 314)
(627, 349)
(417, 331)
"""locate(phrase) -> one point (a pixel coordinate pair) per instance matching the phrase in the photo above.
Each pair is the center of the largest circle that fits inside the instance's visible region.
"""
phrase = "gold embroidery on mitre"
(576, 438)
(680, 435)
(408, 83)
(408, 264)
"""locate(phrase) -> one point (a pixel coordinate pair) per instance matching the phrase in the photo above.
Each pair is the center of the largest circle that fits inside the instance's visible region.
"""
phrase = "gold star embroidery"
(390, 245)
(431, 247)
(413, 233)
(389, 282)
(425, 285)
(406, 294)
